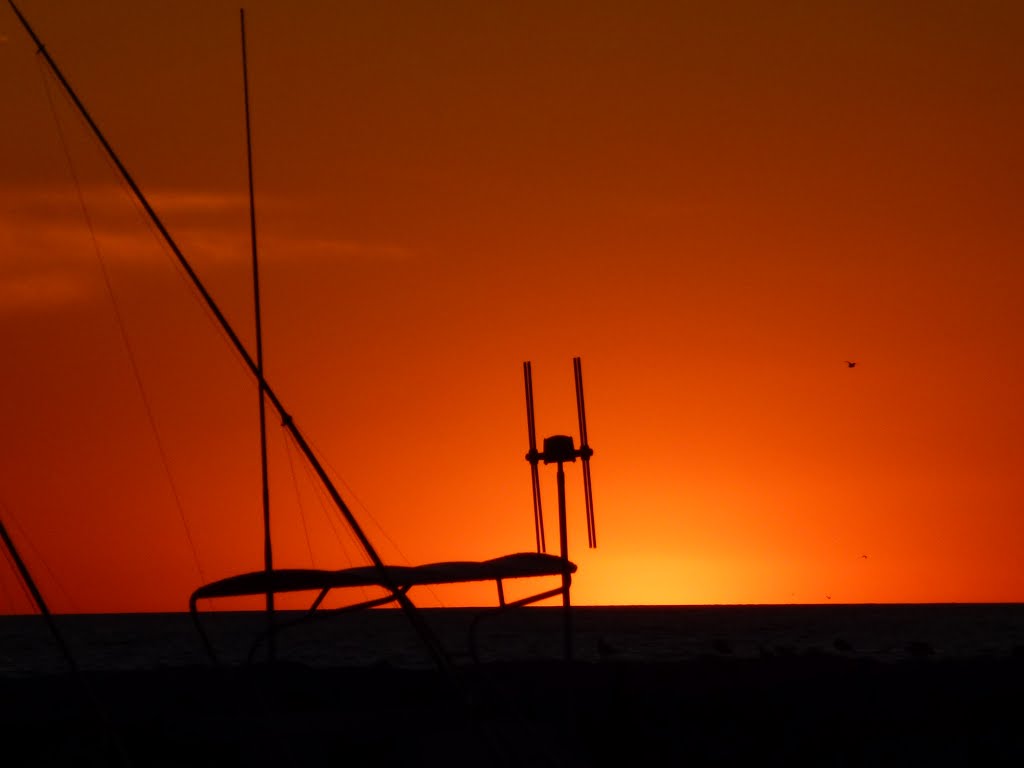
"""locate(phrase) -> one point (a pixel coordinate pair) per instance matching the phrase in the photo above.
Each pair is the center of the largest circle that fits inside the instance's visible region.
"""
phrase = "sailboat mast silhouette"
(267, 392)
(268, 547)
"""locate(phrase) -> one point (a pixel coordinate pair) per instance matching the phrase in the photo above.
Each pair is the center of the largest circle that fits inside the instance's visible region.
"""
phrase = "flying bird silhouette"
(850, 363)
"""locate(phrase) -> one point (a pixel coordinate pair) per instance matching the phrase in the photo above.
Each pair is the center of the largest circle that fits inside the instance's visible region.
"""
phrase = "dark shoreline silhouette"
(717, 685)
(809, 709)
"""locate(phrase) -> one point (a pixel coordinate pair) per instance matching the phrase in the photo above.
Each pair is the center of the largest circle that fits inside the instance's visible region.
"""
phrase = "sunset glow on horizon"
(716, 206)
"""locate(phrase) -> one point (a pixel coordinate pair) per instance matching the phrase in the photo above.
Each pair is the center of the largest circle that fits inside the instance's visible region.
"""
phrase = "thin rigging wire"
(341, 480)
(326, 509)
(298, 497)
(333, 523)
(121, 327)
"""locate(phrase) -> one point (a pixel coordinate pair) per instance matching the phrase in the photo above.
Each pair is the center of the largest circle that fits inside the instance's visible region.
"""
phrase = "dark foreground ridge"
(817, 709)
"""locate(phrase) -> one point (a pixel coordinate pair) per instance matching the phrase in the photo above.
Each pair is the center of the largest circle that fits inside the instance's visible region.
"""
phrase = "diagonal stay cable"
(298, 500)
(119, 318)
(38, 556)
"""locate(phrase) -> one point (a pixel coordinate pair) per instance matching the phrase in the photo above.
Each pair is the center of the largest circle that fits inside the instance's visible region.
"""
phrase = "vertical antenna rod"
(424, 631)
(268, 549)
(534, 457)
(585, 452)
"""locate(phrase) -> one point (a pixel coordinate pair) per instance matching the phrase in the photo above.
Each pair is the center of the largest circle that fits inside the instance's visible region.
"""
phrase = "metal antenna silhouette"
(559, 449)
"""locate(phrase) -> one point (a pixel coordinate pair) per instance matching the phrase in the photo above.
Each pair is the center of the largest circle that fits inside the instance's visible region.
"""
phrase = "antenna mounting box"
(558, 448)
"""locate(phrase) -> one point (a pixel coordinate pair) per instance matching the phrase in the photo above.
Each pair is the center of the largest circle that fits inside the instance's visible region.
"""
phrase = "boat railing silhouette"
(396, 581)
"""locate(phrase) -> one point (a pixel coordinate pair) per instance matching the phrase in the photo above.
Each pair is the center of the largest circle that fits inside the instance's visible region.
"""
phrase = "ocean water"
(647, 633)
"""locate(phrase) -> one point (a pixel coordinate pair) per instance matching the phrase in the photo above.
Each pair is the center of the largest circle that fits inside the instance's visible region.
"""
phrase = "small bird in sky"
(850, 363)
(864, 557)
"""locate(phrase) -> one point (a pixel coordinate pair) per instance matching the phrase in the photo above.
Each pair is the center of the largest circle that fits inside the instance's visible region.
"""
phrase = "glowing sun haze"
(714, 204)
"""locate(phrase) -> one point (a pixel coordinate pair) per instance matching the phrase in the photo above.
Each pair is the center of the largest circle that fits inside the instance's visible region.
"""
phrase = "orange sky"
(714, 204)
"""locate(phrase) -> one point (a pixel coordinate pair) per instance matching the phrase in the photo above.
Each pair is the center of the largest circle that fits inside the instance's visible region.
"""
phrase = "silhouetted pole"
(563, 543)
(426, 635)
(37, 597)
(96, 709)
(268, 549)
